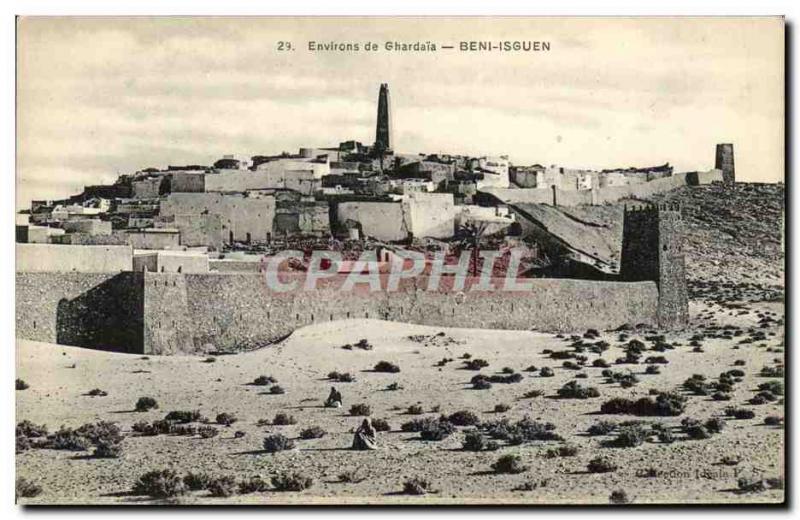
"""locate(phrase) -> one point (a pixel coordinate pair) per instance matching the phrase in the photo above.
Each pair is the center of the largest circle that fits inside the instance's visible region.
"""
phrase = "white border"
(319, 7)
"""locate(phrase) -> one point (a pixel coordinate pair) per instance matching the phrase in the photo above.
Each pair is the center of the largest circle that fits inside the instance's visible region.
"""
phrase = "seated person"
(334, 399)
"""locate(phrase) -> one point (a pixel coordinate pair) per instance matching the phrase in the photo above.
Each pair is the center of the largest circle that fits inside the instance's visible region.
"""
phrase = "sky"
(98, 97)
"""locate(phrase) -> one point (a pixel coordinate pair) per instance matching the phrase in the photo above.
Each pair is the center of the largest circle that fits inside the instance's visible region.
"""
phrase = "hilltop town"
(145, 312)
(226, 216)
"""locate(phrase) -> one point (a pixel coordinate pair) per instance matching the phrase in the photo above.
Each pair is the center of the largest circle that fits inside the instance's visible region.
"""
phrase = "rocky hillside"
(734, 237)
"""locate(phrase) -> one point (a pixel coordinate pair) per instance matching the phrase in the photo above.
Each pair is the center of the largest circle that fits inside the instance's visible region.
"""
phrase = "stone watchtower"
(724, 162)
(652, 249)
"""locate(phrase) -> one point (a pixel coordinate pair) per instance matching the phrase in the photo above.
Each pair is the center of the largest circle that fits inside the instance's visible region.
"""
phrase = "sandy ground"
(60, 376)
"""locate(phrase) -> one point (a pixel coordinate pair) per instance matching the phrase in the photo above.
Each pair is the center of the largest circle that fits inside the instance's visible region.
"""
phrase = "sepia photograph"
(400, 260)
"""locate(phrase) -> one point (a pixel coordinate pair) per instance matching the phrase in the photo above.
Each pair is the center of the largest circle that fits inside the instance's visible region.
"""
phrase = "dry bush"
(277, 442)
(159, 484)
(291, 482)
(223, 487)
(386, 366)
(360, 409)
(509, 463)
(146, 403)
(312, 432)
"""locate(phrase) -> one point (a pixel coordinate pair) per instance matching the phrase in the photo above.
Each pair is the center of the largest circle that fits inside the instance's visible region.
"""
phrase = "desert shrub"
(570, 365)
(715, 425)
(19, 384)
(481, 383)
(476, 364)
(313, 432)
(385, 366)
(184, 429)
(224, 486)
(694, 430)
(351, 475)
(652, 370)
(107, 449)
(291, 482)
(101, 431)
(666, 436)
(773, 387)
(26, 489)
(253, 485)
(562, 354)
(530, 368)
(414, 409)
(416, 425)
(264, 381)
(210, 359)
(665, 404)
(733, 373)
(473, 441)
(238, 434)
(509, 378)
(630, 436)
(28, 429)
(561, 451)
(277, 442)
(226, 419)
(277, 390)
(532, 485)
(600, 363)
(159, 484)
(463, 418)
(657, 360)
(146, 403)
(436, 430)
(739, 413)
(619, 497)
(601, 465)
(748, 485)
(22, 444)
(284, 419)
(360, 409)
(96, 392)
(533, 393)
(773, 420)
(183, 416)
(509, 463)
(602, 428)
(739, 363)
(573, 390)
(343, 377)
(721, 396)
(67, 439)
(730, 460)
(507, 370)
(521, 431)
(546, 372)
(501, 408)
(772, 372)
(393, 386)
(417, 486)
(196, 481)
(207, 432)
(381, 425)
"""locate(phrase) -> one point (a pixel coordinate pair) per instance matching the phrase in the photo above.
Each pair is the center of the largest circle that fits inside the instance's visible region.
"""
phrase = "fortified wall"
(598, 196)
(170, 313)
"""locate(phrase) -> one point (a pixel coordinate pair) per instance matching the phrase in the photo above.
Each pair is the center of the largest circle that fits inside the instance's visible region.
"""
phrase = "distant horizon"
(102, 97)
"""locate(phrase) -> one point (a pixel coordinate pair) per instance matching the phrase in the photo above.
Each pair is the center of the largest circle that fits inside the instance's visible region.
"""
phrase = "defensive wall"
(597, 196)
(171, 313)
